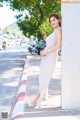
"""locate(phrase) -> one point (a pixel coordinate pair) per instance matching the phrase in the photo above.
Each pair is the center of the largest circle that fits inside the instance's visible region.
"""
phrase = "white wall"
(70, 56)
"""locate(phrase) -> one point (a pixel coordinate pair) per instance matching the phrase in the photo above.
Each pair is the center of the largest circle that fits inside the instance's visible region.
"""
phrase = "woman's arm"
(57, 46)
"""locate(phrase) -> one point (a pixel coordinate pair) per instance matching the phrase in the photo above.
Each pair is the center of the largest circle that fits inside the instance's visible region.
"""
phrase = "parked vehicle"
(17, 42)
(11, 42)
(1, 45)
(4, 45)
(40, 46)
(59, 52)
(36, 48)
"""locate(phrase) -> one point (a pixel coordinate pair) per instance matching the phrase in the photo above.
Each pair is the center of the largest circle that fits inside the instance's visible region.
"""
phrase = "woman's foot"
(31, 105)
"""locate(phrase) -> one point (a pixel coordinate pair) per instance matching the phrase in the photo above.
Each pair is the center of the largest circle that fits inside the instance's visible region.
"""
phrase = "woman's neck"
(56, 27)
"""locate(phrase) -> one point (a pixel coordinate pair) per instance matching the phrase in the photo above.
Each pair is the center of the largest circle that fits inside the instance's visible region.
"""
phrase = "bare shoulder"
(59, 34)
(59, 30)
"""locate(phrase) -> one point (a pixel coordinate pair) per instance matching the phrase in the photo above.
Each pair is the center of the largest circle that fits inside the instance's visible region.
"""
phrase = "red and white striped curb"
(18, 110)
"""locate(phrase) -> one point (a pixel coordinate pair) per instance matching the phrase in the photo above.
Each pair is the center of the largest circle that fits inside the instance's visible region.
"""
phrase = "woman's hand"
(43, 53)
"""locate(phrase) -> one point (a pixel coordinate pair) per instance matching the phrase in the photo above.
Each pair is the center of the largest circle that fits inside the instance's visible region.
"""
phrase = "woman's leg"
(42, 94)
(35, 99)
(43, 83)
(46, 70)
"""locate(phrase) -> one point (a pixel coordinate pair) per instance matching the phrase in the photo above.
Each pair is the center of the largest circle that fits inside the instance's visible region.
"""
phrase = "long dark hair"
(57, 17)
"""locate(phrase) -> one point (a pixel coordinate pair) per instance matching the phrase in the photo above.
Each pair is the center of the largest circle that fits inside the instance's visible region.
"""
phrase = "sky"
(6, 16)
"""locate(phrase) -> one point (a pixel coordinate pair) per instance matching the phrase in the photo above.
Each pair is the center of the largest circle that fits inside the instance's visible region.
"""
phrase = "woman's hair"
(57, 17)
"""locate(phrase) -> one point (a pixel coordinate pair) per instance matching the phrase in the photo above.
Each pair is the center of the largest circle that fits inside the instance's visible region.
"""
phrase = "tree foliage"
(34, 21)
(2, 1)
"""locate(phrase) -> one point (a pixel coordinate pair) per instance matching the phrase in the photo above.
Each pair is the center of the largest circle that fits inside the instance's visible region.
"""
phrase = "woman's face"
(54, 22)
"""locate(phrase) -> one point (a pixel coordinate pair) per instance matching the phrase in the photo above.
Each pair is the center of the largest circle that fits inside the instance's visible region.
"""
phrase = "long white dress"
(46, 67)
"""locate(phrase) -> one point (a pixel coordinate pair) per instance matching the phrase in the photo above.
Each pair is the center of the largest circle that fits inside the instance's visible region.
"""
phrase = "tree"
(2, 1)
(6, 30)
(34, 21)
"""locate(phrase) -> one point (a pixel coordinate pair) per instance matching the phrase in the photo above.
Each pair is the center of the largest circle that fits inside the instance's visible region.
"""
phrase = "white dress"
(46, 67)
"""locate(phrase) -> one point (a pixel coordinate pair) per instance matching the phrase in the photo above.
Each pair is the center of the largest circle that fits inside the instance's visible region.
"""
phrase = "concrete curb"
(19, 104)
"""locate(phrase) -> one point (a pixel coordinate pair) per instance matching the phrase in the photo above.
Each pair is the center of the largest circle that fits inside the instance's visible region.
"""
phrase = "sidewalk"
(52, 106)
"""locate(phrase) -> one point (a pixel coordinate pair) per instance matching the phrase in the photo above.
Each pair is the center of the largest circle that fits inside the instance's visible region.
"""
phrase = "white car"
(11, 43)
(17, 42)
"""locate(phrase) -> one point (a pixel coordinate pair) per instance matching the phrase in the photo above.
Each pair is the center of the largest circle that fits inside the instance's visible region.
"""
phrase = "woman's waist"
(48, 47)
(51, 54)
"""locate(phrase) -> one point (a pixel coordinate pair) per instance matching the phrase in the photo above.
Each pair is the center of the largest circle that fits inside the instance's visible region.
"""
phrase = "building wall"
(70, 56)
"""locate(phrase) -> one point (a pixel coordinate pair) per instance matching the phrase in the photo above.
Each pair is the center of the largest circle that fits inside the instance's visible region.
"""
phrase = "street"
(11, 65)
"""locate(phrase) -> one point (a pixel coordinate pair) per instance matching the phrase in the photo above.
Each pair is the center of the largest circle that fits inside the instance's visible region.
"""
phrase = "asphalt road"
(11, 65)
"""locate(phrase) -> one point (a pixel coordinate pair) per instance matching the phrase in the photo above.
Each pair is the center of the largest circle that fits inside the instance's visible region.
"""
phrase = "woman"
(49, 56)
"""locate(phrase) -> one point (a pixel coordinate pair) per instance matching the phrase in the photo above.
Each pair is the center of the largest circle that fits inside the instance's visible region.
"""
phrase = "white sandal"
(29, 105)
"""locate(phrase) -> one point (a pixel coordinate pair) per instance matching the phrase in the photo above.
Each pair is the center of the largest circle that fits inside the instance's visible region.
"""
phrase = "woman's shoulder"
(58, 29)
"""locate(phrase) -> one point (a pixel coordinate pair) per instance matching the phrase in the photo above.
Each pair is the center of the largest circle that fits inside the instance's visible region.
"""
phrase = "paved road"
(11, 65)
